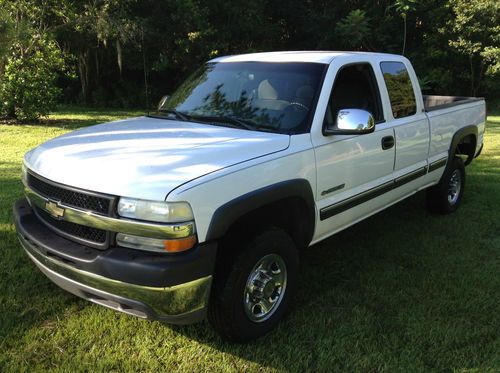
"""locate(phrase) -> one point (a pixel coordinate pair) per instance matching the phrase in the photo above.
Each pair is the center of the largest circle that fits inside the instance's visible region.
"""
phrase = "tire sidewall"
(269, 242)
(456, 163)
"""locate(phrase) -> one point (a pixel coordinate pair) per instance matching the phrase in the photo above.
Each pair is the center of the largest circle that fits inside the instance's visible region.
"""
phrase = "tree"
(403, 7)
(354, 29)
(475, 33)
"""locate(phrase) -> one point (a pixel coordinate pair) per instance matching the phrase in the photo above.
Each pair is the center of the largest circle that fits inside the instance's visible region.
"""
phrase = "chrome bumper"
(179, 304)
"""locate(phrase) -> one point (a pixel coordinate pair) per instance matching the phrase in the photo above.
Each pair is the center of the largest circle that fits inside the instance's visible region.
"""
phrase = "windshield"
(254, 95)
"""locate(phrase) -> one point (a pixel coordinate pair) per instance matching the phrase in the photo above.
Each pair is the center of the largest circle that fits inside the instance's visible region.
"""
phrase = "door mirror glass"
(162, 102)
(352, 122)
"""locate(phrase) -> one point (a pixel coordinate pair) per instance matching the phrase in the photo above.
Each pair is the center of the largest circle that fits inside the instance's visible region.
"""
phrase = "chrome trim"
(164, 301)
(134, 227)
(265, 288)
(355, 120)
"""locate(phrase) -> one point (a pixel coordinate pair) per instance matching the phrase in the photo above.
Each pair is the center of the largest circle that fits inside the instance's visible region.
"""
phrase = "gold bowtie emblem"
(54, 210)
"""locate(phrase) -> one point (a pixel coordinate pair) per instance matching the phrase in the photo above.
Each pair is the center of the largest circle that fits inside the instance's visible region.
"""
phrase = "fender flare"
(231, 211)
(458, 136)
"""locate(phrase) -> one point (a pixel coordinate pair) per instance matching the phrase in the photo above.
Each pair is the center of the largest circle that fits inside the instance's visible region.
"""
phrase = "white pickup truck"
(201, 207)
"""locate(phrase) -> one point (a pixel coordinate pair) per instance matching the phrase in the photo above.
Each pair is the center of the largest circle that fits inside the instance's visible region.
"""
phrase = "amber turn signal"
(181, 244)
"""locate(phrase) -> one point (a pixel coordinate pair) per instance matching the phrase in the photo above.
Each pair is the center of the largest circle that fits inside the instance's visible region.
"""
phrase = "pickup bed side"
(457, 128)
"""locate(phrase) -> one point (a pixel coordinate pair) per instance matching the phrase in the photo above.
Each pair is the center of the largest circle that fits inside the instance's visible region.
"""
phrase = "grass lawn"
(404, 290)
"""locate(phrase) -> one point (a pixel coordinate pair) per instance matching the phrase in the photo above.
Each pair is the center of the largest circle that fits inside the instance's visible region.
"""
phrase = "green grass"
(404, 290)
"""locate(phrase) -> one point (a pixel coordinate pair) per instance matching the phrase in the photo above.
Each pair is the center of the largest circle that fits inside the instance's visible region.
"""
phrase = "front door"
(353, 170)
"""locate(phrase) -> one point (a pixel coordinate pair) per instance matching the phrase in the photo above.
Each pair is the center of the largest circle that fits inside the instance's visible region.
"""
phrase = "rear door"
(411, 125)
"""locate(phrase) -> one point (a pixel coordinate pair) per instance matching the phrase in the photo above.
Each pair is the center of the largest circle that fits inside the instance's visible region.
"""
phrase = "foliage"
(475, 31)
(28, 90)
(131, 53)
(354, 29)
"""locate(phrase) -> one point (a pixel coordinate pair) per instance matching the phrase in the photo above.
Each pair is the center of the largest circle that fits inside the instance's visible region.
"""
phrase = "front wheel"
(446, 196)
(258, 289)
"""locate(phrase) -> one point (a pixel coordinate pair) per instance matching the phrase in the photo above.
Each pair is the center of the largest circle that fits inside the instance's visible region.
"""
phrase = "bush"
(28, 88)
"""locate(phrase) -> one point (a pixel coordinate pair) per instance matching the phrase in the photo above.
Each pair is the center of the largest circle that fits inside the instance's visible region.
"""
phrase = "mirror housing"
(162, 101)
(352, 122)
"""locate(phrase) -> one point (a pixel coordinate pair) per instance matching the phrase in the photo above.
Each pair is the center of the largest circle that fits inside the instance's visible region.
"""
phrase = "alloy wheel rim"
(454, 187)
(265, 288)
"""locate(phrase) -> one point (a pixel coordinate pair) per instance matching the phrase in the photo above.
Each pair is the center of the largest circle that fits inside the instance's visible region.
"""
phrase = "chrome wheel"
(454, 187)
(265, 288)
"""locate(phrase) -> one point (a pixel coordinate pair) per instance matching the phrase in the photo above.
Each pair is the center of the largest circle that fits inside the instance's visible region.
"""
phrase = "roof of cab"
(290, 56)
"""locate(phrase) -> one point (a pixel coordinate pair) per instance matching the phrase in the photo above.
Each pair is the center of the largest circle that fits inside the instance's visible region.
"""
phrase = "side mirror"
(352, 122)
(163, 100)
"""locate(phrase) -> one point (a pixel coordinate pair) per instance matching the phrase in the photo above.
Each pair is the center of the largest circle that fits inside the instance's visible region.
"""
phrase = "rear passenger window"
(400, 89)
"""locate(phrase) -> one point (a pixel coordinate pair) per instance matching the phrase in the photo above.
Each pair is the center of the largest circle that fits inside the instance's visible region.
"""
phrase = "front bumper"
(169, 288)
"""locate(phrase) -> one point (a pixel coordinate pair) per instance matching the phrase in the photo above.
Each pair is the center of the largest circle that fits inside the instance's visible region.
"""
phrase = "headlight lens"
(163, 212)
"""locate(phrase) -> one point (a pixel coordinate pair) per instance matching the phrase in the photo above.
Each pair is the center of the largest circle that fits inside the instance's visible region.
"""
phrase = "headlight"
(163, 212)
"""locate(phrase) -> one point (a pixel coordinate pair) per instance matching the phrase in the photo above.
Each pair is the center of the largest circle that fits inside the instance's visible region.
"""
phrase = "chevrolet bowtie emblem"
(54, 210)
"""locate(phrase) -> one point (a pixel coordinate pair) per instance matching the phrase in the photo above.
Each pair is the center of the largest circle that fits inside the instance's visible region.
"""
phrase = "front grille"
(81, 232)
(69, 197)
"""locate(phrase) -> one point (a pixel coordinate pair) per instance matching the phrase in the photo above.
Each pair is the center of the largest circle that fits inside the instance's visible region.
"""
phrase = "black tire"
(439, 197)
(227, 311)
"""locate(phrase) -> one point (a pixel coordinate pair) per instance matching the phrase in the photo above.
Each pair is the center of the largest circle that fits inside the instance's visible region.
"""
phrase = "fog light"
(155, 244)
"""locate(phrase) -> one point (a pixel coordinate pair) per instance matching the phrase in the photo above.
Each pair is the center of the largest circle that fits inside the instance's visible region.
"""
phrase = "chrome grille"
(69, 196)
(72, 197)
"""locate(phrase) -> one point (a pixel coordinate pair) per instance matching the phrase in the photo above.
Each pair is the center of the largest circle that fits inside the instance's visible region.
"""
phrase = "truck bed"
(432, 102)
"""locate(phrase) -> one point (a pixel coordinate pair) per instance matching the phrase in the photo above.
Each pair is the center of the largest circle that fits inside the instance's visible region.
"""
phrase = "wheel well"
(467, 146)
(289, 214)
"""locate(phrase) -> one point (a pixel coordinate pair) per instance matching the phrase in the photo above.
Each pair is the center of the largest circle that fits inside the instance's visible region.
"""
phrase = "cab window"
(400, 89)
(355, 87)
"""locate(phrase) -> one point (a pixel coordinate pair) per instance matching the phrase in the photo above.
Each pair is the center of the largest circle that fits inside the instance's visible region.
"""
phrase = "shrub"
(28, 88)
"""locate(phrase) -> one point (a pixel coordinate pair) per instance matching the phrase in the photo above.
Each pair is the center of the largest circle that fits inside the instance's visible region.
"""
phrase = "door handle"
(387, 142)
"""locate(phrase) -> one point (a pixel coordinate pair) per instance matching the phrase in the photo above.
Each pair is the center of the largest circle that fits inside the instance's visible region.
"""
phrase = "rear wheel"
(446, 196)
(257, 290)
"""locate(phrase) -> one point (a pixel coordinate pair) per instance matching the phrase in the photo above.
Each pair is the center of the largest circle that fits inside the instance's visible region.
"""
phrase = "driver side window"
(355, 87)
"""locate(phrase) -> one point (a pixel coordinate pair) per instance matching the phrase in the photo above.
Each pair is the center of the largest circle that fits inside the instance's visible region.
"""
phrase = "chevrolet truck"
(199, 209)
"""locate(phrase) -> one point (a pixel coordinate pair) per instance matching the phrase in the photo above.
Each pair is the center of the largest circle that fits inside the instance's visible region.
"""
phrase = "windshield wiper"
(177, 114)
(238, 122)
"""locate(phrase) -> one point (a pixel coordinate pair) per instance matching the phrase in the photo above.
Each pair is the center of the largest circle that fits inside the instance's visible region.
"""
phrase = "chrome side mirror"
(352, 122)
(163, 100)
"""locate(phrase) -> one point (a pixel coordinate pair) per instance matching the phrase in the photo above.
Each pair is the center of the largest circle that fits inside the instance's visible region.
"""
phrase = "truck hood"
(146, 157)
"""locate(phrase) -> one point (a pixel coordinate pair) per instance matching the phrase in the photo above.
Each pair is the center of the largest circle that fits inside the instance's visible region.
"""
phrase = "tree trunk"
(119, 55)
(472, 93)
(83, 69)
(404, 35)
(144, 68)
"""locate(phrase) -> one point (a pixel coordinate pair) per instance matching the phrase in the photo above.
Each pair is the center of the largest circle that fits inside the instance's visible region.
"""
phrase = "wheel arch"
(288, 205)
(464, 142)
